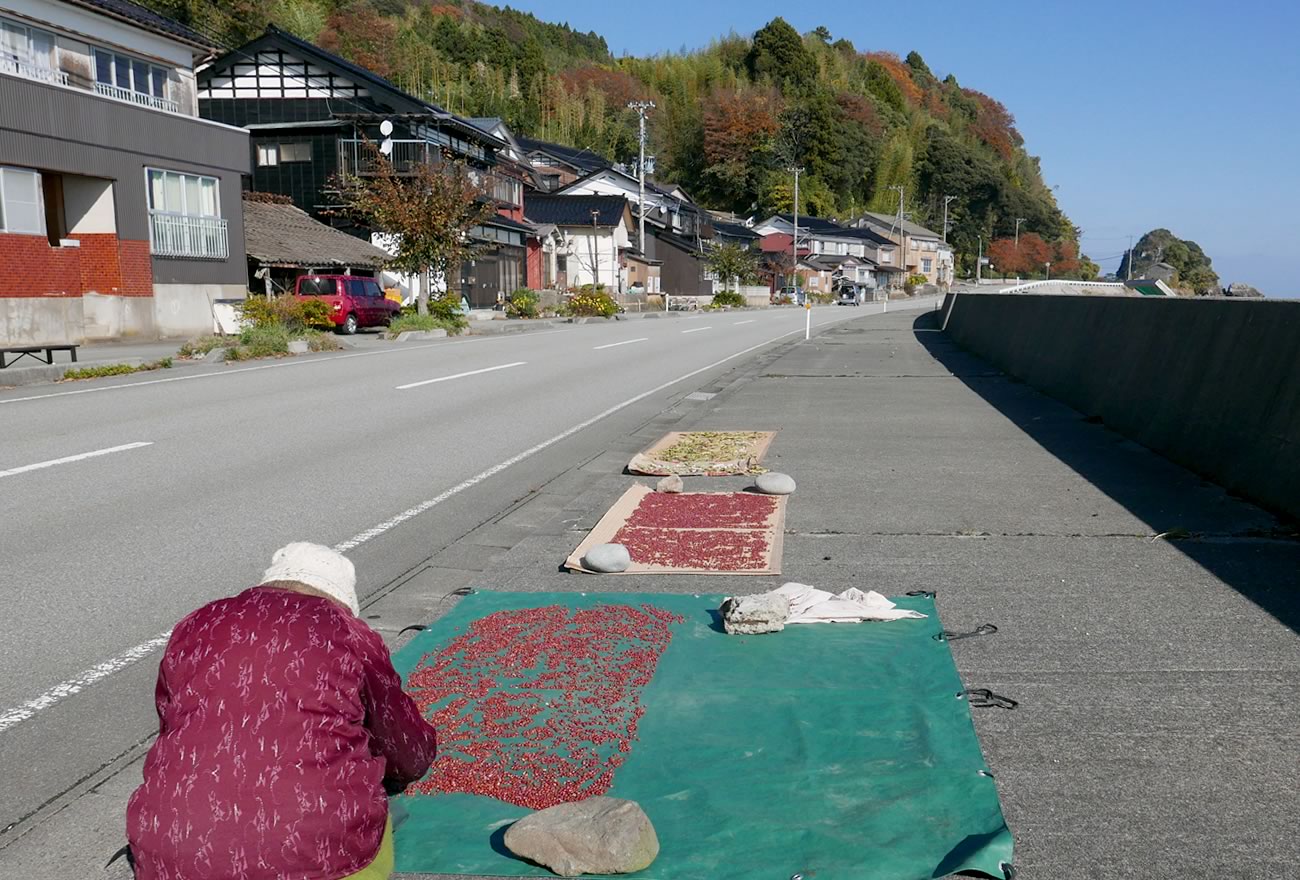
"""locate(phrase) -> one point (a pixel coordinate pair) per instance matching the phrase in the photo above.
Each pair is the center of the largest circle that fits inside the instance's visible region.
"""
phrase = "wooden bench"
(34, 351)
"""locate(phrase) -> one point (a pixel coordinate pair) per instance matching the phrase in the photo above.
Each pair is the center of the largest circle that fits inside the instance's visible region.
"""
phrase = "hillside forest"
(730, 119)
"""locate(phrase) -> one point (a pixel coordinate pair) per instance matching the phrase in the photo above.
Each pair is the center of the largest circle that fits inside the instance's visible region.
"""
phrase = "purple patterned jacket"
(281, 720)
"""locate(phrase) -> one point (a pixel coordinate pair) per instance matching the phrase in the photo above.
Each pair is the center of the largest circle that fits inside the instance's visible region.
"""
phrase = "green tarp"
(829, 750)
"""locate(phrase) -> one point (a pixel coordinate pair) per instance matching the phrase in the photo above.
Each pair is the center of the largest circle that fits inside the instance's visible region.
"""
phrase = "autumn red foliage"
(1030, 256)
(900, 73)
(994, 124)
(862, 111)
(618, 87)
(363, 36)
(455, 13)
(737, 124)
(539, 706)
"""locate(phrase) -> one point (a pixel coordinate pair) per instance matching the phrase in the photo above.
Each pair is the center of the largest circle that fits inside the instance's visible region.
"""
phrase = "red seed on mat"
(539, 706)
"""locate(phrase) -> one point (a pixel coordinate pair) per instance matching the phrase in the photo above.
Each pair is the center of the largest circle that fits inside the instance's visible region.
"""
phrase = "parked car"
(794, 294)
(849, 295)
(354, 302)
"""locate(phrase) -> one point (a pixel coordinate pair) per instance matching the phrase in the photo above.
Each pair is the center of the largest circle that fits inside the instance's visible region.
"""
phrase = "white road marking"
(460, 375)
(101, 671)
(80, 682)
(697, 329)
(280, 365)
(67, 459)
(370, 534)
(624, 342)
(738, 323)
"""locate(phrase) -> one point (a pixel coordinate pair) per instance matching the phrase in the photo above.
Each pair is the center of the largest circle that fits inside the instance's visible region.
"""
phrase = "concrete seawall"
(1212, 384)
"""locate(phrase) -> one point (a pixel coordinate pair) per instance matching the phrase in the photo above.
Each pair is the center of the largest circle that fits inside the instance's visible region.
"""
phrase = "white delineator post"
(807, 326)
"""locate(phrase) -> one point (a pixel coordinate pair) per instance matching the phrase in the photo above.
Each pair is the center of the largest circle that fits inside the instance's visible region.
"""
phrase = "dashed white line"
(68, 459)
(460, 375)
(697, 329)
(279, 366)
(738, 323)
(617, 344)
(80, 682)
(369, 534)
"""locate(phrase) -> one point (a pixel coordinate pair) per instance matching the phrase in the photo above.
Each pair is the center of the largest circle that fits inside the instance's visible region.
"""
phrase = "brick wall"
(33, 268)
(102, 264)
(137, 268)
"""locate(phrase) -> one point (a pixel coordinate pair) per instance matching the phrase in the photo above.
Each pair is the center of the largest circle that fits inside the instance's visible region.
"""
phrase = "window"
(185, 216)
(26, 45)
(373, 289)
(268, 154)
(21, 207)
(316, 287)
(356, 288)
(129, 75)
(926, 264)
(506, 189)
(295, 152)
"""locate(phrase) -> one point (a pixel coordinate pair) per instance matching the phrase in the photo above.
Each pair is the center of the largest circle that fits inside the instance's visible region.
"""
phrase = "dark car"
(354, 301)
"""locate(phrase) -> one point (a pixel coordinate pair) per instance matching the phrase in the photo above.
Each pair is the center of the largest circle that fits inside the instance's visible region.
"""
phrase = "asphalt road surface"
(129, 502)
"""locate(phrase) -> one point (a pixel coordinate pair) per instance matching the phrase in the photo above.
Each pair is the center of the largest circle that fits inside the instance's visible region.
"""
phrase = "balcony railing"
(199, 238)
(27, 70)
(141, 98)
(357, 157)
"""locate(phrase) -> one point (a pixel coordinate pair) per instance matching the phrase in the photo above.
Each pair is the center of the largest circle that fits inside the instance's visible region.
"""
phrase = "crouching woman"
(281, 725)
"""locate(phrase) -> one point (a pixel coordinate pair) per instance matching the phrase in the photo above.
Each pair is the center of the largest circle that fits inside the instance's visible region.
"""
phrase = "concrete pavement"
(1157, 679)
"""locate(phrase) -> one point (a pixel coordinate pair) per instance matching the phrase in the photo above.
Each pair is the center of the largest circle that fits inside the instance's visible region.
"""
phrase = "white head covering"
(318, 567)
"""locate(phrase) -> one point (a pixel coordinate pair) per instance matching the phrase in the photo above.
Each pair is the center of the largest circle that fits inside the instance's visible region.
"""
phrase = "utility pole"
(902, 240)
(979, 258)
(794, 239)
(946, 200)
(1019, 220)
(641, 108)
(1130, 259)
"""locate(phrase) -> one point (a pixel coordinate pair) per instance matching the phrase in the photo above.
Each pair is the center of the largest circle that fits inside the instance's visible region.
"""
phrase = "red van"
(354, 302)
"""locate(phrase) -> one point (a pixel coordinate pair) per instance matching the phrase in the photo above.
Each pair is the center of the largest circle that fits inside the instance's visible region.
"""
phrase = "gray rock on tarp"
(610, 558)
(775, 484)
(299, 346)
(671, 483)
(752, 615)
(601, 835)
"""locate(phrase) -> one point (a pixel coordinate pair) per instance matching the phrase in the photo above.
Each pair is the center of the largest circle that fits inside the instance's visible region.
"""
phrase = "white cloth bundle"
(811, 605)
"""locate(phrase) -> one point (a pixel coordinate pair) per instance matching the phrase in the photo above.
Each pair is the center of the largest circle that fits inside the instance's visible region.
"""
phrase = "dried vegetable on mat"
(704, 453)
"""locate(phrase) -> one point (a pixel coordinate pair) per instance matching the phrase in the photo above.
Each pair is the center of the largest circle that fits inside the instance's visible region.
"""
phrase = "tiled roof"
(585, 160)
(147, 19)
(284, 235)
(891, 221)
(575, 210)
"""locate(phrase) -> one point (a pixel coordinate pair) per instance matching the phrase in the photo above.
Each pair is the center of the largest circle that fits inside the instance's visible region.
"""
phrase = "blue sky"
(1177, 114)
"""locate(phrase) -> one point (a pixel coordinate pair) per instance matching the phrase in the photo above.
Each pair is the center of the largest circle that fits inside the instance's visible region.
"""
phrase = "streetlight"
(1047, 271)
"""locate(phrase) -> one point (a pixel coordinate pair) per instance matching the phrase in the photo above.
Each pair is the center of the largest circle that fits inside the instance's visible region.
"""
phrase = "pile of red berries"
(704, 510)
(707, 549)
(539, 706)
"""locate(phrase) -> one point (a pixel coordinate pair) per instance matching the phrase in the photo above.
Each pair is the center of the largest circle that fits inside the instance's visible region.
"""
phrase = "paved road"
(129, 502)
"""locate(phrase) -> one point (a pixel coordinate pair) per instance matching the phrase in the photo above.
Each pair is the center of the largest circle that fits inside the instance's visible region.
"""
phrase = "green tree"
(731, 263)
(778, 53)
(428, 214)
